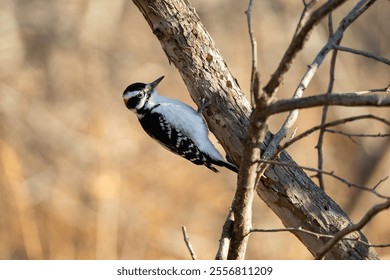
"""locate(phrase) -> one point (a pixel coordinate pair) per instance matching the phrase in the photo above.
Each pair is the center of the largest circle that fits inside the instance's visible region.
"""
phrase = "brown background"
(79, 179)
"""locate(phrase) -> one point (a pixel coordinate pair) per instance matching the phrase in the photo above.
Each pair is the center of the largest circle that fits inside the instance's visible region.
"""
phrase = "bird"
(175, 125)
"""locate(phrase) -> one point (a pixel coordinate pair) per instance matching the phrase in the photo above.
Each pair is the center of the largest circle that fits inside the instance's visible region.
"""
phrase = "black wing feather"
(174, 140)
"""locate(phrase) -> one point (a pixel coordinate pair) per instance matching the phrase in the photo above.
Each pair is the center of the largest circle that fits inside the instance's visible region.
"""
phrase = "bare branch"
(243, 198)
(352, 227)
(363, 53)
(376, 245)
(325, 108)
(350, 135)
(330, 124)
(380, 182)
(318, 235)
(297, 44)
(188, 243)
(351, 99)
(254, 85)
(332, 174)
(304, 16)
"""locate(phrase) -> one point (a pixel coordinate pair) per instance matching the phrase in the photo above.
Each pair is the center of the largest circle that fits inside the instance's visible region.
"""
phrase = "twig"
(304, 15)
(383, 90)
(350, 135)
(297, 44)
(352, 227)
(380, 182)
(363, 53)
(330, 124)
(254, 85)
(332, 174)
(318, 235)
(321, 135)
(188, 243)
(351, 99)
(376, 245)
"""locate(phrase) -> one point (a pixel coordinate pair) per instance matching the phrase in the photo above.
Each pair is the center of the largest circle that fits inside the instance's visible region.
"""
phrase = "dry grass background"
(79, 179)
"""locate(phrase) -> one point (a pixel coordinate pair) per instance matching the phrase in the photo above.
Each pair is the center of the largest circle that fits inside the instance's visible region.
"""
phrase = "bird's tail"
(226, 164)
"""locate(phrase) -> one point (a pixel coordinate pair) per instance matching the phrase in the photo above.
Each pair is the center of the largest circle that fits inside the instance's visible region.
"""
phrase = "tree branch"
(332, 174)
(352, 227)
(304, 16)
(329, 124)
(363, 53)
(321, 135)
(246, 183)
(350, 135)
(335, 99)
(188, 243)
(297, 44)
(317, 235)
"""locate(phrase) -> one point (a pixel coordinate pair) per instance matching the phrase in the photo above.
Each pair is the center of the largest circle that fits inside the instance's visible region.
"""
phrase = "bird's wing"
(185, 119)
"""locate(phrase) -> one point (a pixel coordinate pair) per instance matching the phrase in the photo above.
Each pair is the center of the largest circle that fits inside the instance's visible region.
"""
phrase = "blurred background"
(79, 179)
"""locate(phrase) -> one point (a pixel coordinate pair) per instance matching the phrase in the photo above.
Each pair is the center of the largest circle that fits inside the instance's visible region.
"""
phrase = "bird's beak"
(154, 84)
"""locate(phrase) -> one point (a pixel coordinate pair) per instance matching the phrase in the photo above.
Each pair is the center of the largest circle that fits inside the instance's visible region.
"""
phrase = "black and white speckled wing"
(174, 140)
(182, 130)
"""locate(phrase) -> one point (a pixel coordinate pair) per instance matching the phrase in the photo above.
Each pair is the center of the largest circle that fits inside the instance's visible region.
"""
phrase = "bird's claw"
(203, 104)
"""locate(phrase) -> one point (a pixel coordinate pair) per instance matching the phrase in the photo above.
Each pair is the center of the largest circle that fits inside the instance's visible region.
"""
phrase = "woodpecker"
(174, 124)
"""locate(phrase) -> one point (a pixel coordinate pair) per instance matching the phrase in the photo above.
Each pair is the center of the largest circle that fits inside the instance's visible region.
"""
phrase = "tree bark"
(288, 191)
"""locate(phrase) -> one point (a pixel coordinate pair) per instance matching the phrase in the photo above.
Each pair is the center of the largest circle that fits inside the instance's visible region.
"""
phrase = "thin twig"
(380, 182)
(351, 99)
(188, 243)
(321, 135)
(385, 245)
(318, 235)
(332, 174)
(254, 74)
(329, 124)
(352, 227)
(297, 44)
(363, 53)
(383, 90)
(350, 135)
(304, 16)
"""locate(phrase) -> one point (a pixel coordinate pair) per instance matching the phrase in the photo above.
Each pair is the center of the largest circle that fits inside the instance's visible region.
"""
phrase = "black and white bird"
(174, 124)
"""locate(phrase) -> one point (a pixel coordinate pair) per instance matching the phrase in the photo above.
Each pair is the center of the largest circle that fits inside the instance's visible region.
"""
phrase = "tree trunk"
(288, 191)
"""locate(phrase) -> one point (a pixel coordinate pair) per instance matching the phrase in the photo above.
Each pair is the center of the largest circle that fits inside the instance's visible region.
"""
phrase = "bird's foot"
(203, 104)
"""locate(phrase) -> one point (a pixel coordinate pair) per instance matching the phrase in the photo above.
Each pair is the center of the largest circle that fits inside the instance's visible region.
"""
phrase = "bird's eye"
(140, 94)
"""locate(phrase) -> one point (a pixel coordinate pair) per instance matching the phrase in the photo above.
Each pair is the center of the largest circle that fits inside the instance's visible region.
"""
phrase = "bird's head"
(136, 95)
